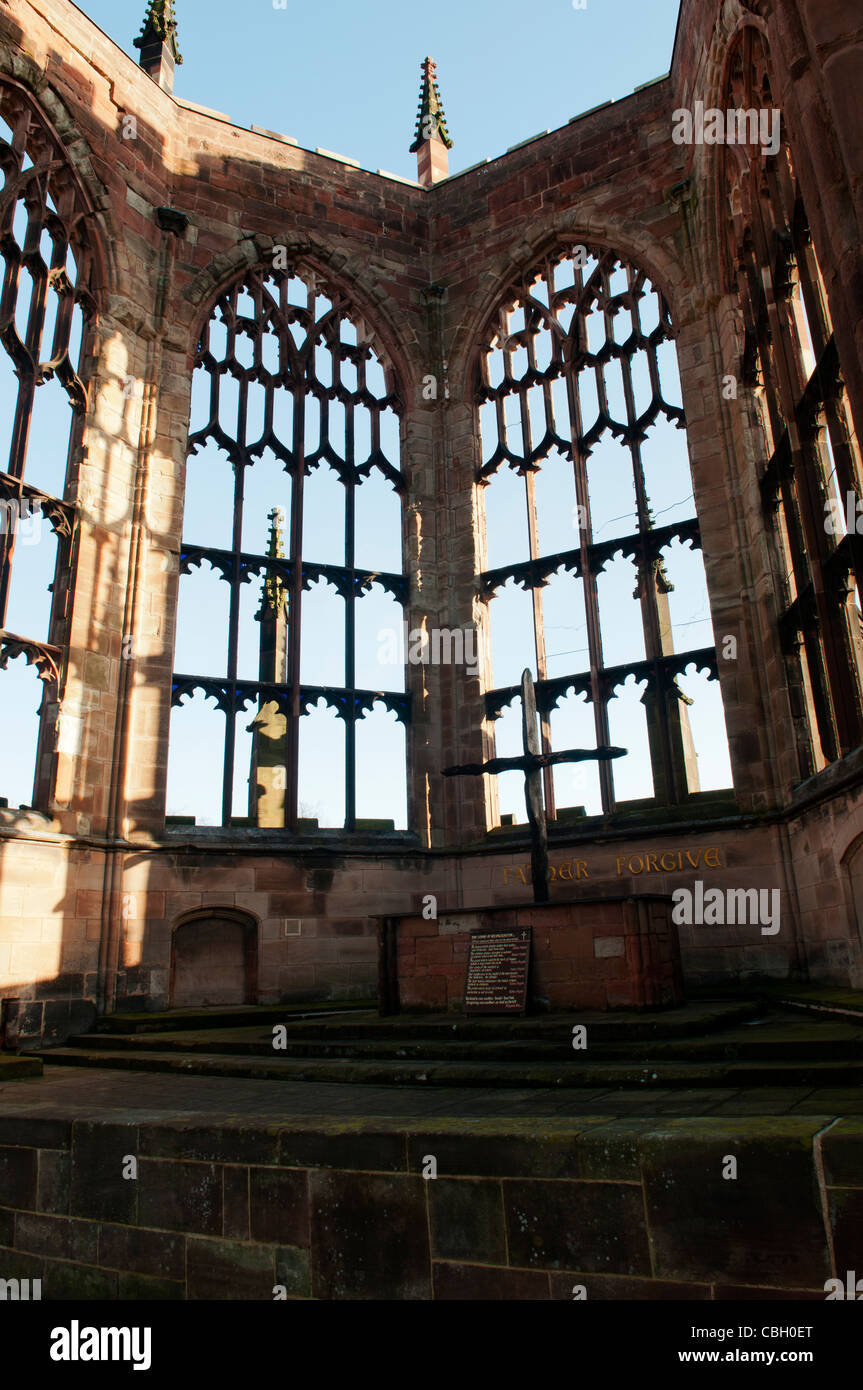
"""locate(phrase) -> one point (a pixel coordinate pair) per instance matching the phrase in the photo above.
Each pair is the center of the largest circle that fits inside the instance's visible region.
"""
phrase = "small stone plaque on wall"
(497, 971)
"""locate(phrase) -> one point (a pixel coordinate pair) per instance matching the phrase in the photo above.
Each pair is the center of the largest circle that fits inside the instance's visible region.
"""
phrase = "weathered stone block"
(18, 1177)
(369, 1237)
(54, 1181)
(279, 1206)
(467, 1221)
(235, 1189)
(349, 1147)
(229, 1269)
(846, 1218)
(466, 1282)
(229, 1143)
(138, 1251)
(577, 1225)
(601, 1288)
(705, 1227)
(99, 1158)
(57, 1237)
(180, 1196)
(64, 1282)
(145, 1288)
(292, 1270)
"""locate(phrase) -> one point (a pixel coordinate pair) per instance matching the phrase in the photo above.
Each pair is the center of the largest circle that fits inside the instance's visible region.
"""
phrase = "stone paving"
(138, 1097)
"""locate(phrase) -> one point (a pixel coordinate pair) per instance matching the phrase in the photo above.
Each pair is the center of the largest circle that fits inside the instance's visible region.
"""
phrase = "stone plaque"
(497, 971)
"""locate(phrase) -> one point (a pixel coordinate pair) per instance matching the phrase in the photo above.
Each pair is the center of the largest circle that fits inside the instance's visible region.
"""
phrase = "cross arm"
(581, 755)
(517, 764)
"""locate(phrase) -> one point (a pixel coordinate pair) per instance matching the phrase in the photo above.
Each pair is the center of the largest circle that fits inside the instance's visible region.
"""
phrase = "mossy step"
(570, 1072)
(827, 998)
(238, 1016)
(623, 1026)
(778, 1038)
(16, 1068)
(366, 1026)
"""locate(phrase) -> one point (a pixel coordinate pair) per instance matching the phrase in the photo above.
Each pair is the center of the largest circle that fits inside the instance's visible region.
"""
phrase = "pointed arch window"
(813, 464)
(291, 573)
(46, 312)
(592, 567)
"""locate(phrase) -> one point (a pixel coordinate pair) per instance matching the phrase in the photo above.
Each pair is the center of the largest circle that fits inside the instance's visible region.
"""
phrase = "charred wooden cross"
(531, 763)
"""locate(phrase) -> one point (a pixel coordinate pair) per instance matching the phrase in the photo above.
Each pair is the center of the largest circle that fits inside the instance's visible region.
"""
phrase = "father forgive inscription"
(672, 861)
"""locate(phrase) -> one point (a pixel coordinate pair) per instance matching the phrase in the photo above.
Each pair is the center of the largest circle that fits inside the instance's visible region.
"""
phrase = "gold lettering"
(552, 873)
(694, 862)
(652, 866)
(640, 869)
(581, 867)
(714, 862)
(514, 869)
(621, 860)
(565, 871)
(667, 867)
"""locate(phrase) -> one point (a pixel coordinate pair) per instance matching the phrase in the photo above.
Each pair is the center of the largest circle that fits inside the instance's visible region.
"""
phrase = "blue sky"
(346, 76)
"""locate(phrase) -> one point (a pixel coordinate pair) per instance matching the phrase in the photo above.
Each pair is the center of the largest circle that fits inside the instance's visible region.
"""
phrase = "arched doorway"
(214, 960)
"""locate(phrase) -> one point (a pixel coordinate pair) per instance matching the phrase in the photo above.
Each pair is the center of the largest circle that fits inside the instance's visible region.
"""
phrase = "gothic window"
(592, 567)
(812, 476)
(289, 695)
(44, 312)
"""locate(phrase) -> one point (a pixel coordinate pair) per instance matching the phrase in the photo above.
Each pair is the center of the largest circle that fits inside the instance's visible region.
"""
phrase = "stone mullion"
(840, 729)
(536, 589)
(848, 620)
(8, 538)
(234, 609)
(666, 734)
(349, 483)
(807, 485)
(845, 454)
(20, 430)
(295, 551)
(422, 523)
(598, 693)
(842, 646)
(809, 280)
(818, 102)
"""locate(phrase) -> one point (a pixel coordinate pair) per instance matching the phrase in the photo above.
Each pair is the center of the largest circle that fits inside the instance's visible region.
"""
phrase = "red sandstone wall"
(51, 908)
(584, 956)
(611, 177)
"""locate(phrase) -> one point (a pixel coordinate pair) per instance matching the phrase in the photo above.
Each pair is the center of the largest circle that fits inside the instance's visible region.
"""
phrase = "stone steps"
(775, 1039)
(367, 1031)
(18, 1068)
(570, 1071)
(362, 1021)
(237, 1016)
(740, 1042)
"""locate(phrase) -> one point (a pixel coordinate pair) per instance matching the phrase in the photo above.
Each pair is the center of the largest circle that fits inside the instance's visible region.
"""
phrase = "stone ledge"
(519, 1208)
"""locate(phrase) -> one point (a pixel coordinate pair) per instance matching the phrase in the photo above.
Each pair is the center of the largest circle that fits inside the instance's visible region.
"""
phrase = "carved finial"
(158, 43)
(431, 137)
(274, 589)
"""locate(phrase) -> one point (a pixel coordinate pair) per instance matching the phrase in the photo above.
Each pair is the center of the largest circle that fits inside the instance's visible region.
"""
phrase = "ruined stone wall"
(614, 178)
